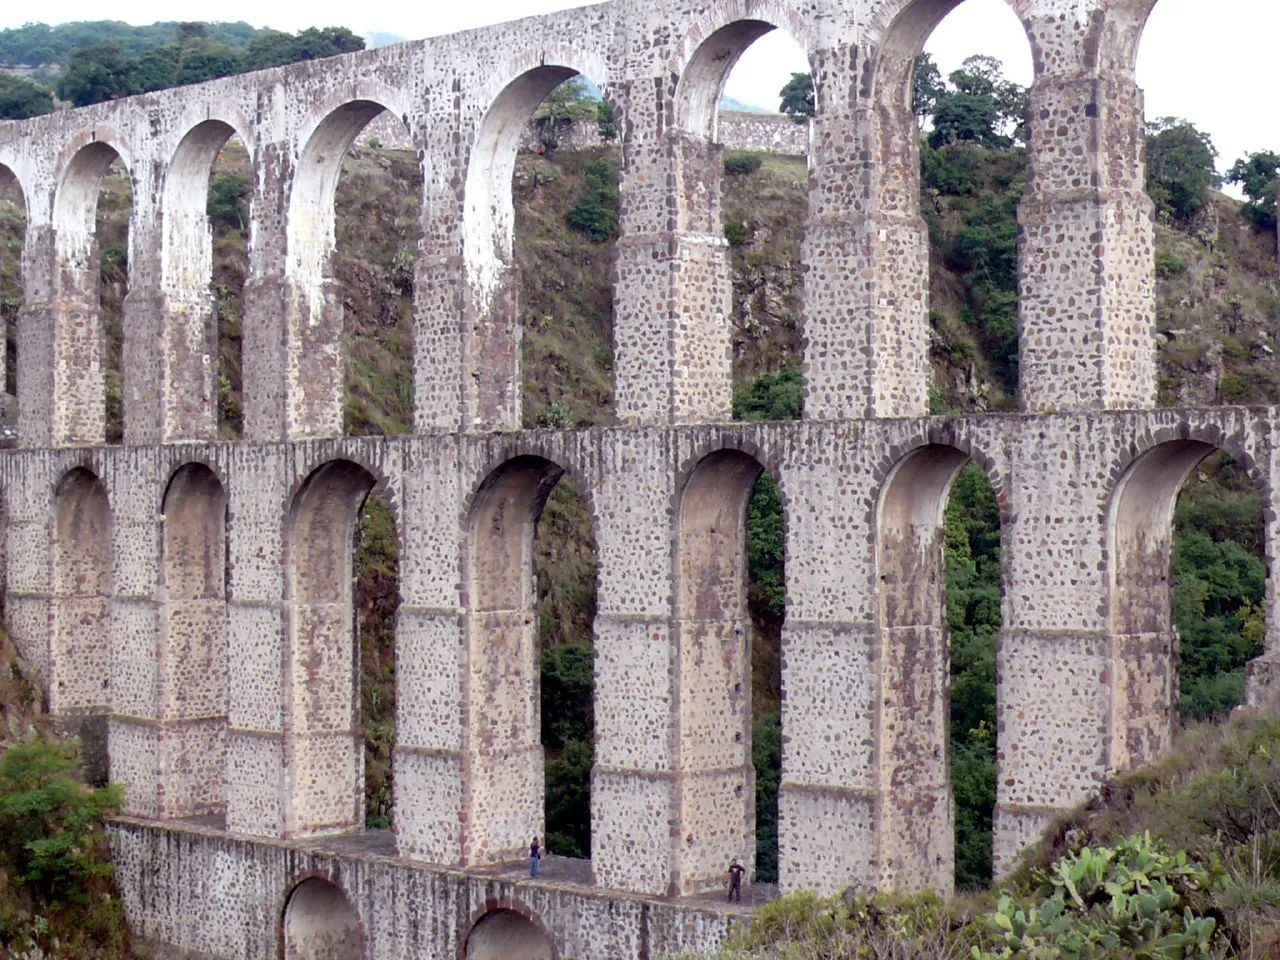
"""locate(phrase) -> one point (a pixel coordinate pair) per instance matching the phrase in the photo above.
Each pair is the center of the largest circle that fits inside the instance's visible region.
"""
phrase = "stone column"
(830, 784)
(258, 486)
(293, 326)
(439, 346)
(1087, 301)
(28, 522)
(866, 250)
(263, 336)
(136, 740)
(185, 394)
(429, 762)
(673, 293)
(636, 824)
(61, 399)
(1055, 664)
(154, 391)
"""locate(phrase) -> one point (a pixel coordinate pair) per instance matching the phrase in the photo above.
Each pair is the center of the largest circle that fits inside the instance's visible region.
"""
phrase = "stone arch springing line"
(1139, 554)
(508, 933)
(715, 636)
(319, 922)
(194, 658)
(80, 655)
(325, 755)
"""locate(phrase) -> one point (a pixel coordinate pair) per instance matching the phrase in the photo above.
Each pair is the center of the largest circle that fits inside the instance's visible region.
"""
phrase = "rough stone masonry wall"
(112, 569)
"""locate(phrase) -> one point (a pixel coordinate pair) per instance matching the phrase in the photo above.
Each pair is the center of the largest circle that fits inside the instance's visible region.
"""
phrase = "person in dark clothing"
(535, 858)
(736, 870)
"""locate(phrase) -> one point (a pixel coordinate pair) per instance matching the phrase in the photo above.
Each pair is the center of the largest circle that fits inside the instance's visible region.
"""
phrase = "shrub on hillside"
(739, 164)
(596, 214)
(1136, 900)
(55, 877)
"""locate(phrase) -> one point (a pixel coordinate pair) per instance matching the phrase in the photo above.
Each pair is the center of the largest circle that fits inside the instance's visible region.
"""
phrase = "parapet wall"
(193, 892)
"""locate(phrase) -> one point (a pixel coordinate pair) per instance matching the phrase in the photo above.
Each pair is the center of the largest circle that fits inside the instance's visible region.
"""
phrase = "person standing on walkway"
(736, 871)
(535, 858)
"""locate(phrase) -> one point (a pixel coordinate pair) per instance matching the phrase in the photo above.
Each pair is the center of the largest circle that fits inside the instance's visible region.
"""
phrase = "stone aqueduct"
(192, 599)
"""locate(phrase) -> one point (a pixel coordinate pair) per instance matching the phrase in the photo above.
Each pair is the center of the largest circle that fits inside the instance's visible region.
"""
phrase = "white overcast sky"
(1194, 63)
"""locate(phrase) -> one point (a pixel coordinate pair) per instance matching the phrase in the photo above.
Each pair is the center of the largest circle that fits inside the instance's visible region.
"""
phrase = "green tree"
(798, 97)
(51, 824)
(20, 99)
(568, 684)
(928, 88)
(766, 756)
(96, 74)
(157, 70)
(1180, 167)
(1259, 176)
(972, 531)
(596, 213)
(202, 61)
(773, 396)
(229, 194)
(568, 801)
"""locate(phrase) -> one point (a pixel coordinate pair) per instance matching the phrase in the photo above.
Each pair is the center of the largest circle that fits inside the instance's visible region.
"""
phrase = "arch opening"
(748, 188)
(950, 124)
(567, 168)
(355, 235)
(195, 659)
(207, 199)
(13, 232)
(730, 606)
(326, 768)
(79, 680)
(540, 219)
(531, 571)
(377, 599)
(92, 211)
(1187, 584)
(320, 923)
(506, 935)
(939, 595)
(1199, 164)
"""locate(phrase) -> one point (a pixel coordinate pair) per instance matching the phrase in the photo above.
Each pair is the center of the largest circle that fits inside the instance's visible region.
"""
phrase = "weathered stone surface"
(190, 602)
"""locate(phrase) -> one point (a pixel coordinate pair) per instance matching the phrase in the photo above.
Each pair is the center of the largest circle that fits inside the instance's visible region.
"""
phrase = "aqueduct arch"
(316, 362)
(194, 654)
(503, 726)
(187, 275)
(507, 935)
(326, 764)
(1140, 552)
(320, 923)
(80, 656)
(492, 276)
